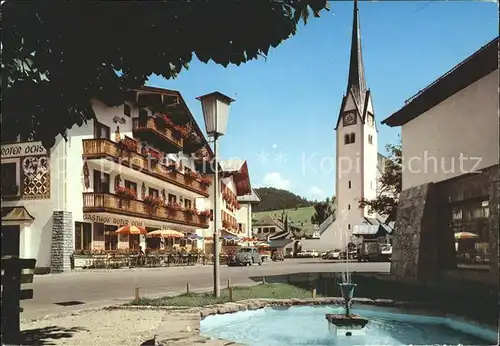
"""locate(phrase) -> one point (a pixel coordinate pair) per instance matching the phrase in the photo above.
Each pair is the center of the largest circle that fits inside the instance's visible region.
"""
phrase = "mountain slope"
(277, 199)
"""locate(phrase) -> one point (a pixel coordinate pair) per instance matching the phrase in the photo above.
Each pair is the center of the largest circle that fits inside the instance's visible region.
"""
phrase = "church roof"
(356, 82)
(481, 63)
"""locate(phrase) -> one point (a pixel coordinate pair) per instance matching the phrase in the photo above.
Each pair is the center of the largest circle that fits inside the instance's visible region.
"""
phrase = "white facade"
(66, 172)
(463, 137)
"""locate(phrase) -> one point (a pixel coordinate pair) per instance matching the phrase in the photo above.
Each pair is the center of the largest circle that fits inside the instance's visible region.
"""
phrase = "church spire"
(356, 81)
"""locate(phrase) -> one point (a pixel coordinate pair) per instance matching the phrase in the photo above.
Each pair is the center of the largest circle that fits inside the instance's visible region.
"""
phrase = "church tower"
(356, 136)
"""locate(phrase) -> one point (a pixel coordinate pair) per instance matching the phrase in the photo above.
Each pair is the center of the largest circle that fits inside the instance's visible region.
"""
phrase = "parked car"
(332, 254)
(386, 252)
(308, 253)
(246, 256)
(278, 256)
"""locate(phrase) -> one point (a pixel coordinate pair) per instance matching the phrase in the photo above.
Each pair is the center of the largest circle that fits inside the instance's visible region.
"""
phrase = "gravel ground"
(101, 327)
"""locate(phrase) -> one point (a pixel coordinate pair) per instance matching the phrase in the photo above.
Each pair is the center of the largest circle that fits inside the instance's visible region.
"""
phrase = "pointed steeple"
(356, 81)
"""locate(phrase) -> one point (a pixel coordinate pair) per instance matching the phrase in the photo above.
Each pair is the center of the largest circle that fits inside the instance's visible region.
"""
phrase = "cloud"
(316, 193)
(274, 179)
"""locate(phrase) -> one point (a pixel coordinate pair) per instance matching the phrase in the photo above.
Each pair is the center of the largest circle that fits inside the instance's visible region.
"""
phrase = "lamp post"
(215, 107)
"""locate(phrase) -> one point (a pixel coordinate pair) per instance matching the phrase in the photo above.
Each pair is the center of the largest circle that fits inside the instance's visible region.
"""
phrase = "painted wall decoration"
(36, 177)
(118, 137)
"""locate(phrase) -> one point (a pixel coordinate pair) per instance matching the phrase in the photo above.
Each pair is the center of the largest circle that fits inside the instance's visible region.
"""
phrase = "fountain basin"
(306, 325)
(350, 321)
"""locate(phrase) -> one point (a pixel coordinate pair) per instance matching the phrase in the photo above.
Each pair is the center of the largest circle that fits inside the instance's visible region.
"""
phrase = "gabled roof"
(267, 221)
(481, 63)
(238, 169)
(252, 197)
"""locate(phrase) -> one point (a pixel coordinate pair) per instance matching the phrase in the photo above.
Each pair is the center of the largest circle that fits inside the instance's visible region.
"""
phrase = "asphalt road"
(107, 287)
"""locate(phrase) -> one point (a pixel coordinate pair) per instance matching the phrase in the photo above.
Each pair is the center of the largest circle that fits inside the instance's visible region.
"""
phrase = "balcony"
(162, 137)
(110, 203)
(105, 149)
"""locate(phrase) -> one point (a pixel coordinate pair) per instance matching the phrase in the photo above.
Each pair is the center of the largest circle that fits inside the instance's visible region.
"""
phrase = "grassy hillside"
(277, 199)
(296, 216)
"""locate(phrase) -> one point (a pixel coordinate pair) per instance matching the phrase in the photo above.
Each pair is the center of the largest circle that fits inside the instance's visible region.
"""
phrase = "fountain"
(346, 320)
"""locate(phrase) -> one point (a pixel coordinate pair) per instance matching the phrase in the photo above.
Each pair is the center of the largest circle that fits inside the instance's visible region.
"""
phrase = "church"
(359, 166)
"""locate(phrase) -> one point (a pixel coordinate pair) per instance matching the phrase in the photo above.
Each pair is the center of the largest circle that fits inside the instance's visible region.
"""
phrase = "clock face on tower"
(349, 118)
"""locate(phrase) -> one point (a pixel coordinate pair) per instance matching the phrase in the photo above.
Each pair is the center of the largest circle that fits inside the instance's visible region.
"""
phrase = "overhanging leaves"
(57, 55)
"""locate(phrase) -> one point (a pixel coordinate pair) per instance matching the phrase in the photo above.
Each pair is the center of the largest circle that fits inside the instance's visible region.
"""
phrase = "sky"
(287, 105)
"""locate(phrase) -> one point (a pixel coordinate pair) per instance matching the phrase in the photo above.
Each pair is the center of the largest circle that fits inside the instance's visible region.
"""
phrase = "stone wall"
(62, 241)
(415, 252)
(424, 244)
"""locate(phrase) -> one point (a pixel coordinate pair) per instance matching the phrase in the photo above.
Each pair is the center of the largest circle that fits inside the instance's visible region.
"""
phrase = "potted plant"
(153, 154)
(172, 167)
(152, 201)
(190, 211)
(125, 193)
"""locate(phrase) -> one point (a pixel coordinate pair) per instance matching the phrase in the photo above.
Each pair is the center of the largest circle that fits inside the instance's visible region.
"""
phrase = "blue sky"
(286, 106)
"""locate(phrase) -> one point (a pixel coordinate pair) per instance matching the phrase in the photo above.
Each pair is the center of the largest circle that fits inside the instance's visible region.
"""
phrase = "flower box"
(153, 154)
(190, 211)
(153, 201)
(128, 144)
(205, 182)
(180, 132)
(125, 193)
(173, 206)
(204, 214)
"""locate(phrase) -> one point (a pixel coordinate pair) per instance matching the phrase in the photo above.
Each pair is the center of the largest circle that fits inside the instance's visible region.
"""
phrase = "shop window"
(133, 241)
(98, 231)
(110, 237)
(83, 236)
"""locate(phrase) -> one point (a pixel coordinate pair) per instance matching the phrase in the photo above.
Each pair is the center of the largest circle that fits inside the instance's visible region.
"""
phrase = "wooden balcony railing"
(110, 203)
(104, 148)
(165, 134)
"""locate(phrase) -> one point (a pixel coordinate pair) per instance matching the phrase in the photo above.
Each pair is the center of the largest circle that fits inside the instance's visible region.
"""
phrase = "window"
(101, 182)
(370, 139)
(131, 185)
(126, 110)
(143, 113)
(133, 241)
(272, 230)
(259, 230)
(153, 192)
(371, 121)
(110, 237)
(349, 138)
(349, 226)
(101, 131)
(83, 236)
(211, 215)
(350, 185)
(172, 198)
(240, 227)
(266, 230)
(187, 203)
(348, 207)
(10, 179)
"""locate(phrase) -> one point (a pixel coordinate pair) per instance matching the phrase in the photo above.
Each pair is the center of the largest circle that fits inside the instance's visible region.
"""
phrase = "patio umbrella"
(165, 233)
(194, 237)
(131, 230)
(465, 235)
(263, 245)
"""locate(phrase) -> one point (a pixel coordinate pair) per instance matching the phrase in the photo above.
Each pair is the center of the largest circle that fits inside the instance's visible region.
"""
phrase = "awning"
(228, 233)
(16, 214)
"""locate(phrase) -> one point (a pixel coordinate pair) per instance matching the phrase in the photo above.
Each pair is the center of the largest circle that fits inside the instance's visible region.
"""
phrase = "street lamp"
(215, 107)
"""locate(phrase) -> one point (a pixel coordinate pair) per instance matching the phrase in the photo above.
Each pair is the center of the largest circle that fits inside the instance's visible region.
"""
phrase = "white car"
(308, 253)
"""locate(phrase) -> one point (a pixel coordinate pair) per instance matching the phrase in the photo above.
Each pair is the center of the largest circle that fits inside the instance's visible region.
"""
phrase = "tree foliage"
(278, 199)
(323, 210)
(57, 55)
(386, 203)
